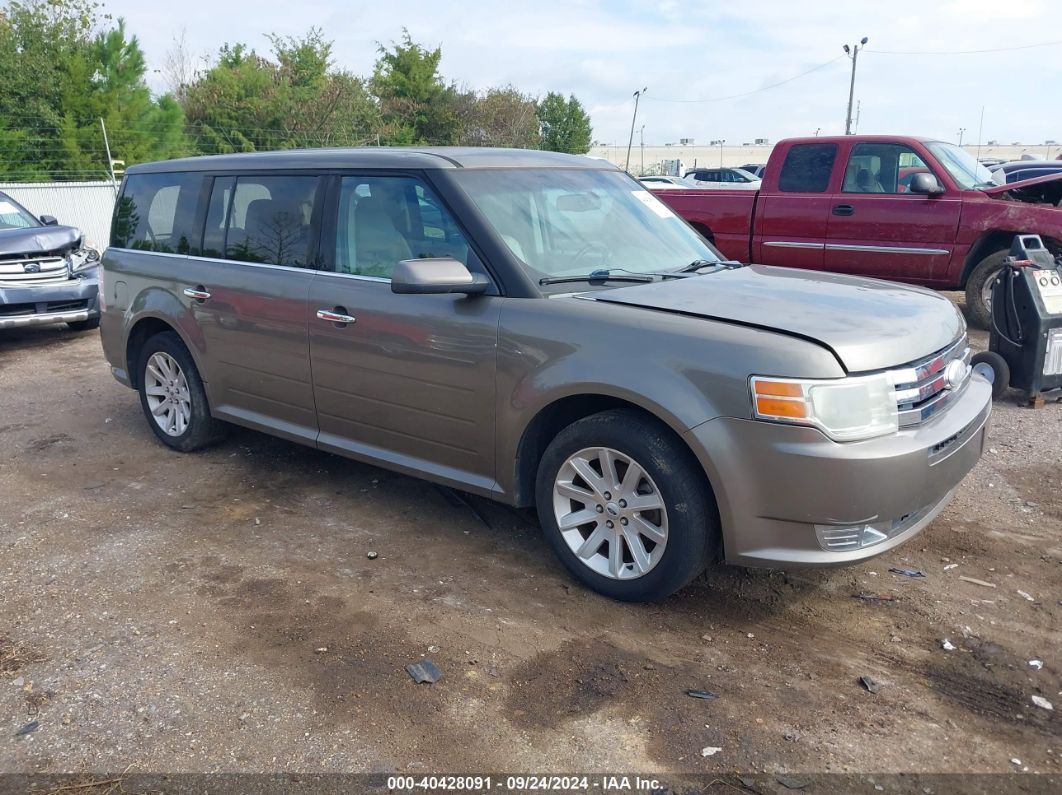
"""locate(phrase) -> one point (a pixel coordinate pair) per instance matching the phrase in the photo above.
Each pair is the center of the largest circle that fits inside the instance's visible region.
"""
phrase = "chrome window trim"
(356, 277)
(295, 268)
(270, 265)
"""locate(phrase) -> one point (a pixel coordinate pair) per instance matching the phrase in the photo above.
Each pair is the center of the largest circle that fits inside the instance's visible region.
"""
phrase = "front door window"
(384, 220)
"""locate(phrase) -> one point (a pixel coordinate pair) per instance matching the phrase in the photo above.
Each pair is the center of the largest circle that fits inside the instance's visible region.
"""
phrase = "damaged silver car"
(47, 275)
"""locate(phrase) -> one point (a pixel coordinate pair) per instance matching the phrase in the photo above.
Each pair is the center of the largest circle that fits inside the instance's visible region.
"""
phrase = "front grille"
(32, 271)
(922, 388)
(46, 308)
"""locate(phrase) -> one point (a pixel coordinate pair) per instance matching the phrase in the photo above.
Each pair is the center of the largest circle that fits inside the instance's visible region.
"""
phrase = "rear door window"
(267, 219)
(807, 168)
(157, 212)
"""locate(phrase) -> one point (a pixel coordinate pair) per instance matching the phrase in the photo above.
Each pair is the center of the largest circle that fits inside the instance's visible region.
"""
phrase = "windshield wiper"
(598, 276)
(698, 264)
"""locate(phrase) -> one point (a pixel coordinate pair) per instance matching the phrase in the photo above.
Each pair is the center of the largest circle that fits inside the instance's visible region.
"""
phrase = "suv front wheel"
(172, 395)
(626, 507)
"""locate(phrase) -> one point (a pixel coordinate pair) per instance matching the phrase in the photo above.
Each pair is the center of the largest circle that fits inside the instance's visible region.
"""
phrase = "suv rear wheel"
(625, 506)
(172, 395)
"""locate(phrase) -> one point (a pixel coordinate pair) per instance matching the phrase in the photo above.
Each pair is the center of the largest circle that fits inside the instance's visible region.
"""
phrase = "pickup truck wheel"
(625, 506)
(979, 288)
(173, 397)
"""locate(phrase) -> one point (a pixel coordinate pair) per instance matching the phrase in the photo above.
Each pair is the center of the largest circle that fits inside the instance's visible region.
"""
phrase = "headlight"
(845, 409)
(84, 258)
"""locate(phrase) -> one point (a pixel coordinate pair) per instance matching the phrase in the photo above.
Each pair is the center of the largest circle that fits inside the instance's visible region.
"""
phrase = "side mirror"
(925, 183)
(49, 220)
(434, 276)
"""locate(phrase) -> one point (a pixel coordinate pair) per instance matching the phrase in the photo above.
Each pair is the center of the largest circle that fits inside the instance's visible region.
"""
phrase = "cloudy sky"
(603, 51)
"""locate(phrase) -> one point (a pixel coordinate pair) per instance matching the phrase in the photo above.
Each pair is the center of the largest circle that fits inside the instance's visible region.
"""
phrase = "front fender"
(682, 370)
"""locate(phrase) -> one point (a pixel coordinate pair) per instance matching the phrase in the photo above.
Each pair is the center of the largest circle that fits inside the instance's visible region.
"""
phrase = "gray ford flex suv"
(539, 329)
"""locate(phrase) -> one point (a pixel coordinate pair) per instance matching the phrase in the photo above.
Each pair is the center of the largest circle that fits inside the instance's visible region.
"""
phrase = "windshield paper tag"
(653, 203)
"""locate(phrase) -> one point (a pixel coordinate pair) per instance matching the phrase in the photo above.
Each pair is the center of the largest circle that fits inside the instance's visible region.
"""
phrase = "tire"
(1000, 371)
(983, 273)
(91, 324)
(172, 370)
(669, 476)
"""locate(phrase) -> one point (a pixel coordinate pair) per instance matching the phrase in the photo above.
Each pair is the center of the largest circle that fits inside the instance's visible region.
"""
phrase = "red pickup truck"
(909, 209)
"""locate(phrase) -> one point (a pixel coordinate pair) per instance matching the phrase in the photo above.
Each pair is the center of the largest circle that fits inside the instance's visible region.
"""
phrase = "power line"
(754, 91)
(967, 52)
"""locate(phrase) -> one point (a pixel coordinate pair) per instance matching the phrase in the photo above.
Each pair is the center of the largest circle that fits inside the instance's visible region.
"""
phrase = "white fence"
(86, 205)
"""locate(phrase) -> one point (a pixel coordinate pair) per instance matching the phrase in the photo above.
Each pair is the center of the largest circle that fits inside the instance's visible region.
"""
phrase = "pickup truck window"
(807, 168)
(568, 222)
(961, 165)
(881, 168)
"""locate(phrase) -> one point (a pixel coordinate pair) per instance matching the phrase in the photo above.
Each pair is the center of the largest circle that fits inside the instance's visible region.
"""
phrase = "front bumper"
(786, 494)
(36, 305)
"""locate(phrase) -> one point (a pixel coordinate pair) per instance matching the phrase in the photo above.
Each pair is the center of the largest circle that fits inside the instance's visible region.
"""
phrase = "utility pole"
(961, 131)
(630, 142)
(853, 54)
(110, 162)
(641, 144)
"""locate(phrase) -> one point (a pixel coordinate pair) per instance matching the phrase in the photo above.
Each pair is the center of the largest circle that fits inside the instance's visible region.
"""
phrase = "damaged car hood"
(38, 240)
(999, 190)
(868, 324)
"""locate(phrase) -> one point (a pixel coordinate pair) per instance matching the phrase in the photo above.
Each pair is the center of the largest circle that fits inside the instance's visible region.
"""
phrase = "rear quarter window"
(807, 168)
(157, 212)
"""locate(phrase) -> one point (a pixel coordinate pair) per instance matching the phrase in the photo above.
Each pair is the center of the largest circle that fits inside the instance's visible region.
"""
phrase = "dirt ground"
(220, 612)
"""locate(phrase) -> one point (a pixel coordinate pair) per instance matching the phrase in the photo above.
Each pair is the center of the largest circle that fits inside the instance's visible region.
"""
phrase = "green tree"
(246, 102)
(416, 106)
(498, 117)
(565, 125)
(63, 67)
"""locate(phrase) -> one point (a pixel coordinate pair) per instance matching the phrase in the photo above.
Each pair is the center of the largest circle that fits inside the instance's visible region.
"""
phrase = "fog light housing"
(834, 538)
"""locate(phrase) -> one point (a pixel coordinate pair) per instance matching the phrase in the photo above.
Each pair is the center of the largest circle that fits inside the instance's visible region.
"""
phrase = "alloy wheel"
(610, 513)
(168, 396)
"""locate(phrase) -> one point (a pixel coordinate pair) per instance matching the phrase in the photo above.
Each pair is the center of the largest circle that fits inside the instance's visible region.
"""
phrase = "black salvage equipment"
(1025, 344)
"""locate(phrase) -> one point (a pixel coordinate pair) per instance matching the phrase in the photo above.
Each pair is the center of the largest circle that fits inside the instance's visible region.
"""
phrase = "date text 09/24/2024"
(522, 783)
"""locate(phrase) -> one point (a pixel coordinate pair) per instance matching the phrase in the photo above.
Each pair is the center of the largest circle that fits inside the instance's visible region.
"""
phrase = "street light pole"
(853, 54)
(630, 141)
(721, 142)
(961, 131)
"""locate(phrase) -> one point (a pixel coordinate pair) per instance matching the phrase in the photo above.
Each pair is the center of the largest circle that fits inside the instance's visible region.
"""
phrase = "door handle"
(337, 315)
(843, 209)
(199, 293)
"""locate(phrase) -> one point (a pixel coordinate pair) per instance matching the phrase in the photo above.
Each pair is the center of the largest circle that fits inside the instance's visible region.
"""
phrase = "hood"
(38, 240)
(868, 324)
(1022, 183)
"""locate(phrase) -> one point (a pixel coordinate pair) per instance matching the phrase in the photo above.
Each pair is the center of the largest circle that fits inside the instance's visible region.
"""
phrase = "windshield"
(570, 222)
(14, 217)
(962, 166)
